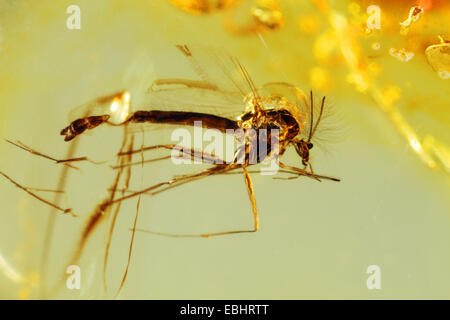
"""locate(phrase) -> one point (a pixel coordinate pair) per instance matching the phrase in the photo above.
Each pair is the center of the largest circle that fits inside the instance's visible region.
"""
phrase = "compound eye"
(310, 145)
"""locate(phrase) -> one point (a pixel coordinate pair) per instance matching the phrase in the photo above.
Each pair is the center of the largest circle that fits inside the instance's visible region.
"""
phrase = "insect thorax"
(263, 124)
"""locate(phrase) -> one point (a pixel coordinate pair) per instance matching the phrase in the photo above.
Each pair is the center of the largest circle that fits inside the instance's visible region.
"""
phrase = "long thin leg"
(211, 157)
(177, 180)
(52, 224)
(65, 162)
(251, 195)
(311, 168)
(308, 174)
(293, 170)
(116, 213)
(65, 211)
(188, 153)
(130, 251)
(191, 153)
(97, 216)
(22, 146)
(159, 146)
(46, 190)
(296, 174)
(131, 164)
(302, 171)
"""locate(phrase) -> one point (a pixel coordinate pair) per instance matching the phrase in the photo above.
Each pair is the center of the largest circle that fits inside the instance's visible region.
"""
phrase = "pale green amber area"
(316, 239)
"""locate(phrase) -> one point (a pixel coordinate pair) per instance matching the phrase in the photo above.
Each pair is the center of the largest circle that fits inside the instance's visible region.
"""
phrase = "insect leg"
(251, 194)
(130, 250)
(65, 162)
(192, 153)
(306, 173)
(116, 213)
(65, 211)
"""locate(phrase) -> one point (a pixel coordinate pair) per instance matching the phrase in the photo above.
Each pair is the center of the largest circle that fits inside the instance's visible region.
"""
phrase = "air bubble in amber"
(401, 54)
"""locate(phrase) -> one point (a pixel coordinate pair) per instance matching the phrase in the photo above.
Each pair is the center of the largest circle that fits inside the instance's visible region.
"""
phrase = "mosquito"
(223, 98)
(262, 108)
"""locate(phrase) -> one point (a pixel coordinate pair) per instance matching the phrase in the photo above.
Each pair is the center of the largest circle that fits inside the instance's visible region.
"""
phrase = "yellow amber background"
(389, 145)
